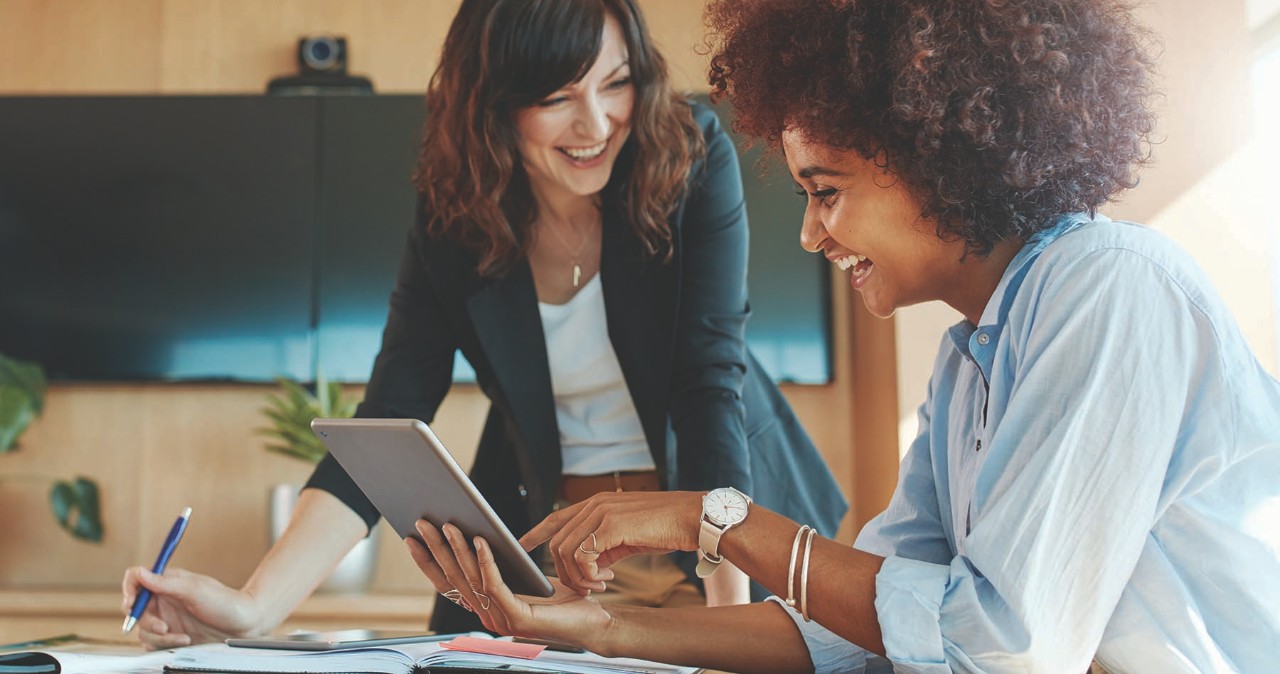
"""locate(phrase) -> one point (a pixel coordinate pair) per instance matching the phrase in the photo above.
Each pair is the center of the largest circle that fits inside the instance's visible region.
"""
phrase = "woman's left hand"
(472, 580)
(586, 538)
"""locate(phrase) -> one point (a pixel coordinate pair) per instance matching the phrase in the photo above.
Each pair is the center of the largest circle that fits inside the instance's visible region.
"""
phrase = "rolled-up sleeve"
(909, 596)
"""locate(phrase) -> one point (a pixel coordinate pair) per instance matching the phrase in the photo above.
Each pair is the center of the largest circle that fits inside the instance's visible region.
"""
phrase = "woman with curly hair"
(1095, 477)
(582, 240)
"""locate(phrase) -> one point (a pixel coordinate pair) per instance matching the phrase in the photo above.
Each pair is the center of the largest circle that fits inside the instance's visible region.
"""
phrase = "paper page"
(603, 665)
(399, 659)
(377, 660)
(86, 657)
(572, 663)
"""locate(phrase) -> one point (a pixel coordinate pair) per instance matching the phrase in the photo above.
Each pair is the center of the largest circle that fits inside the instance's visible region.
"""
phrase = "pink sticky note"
(502, 647)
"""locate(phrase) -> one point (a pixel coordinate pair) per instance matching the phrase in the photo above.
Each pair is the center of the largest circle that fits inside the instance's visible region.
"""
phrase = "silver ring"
(593, 550)
(484, 598)
(456, 597)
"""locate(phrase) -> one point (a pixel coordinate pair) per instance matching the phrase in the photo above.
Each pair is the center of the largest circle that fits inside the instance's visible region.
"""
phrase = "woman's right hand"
(586, 538)
(187, 608)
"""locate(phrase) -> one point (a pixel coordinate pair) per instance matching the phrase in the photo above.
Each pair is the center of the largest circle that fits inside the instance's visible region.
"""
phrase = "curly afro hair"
(998, 114)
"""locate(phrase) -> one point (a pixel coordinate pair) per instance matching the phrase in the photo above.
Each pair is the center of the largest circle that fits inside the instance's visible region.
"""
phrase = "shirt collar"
(994, 314)
(998, 306)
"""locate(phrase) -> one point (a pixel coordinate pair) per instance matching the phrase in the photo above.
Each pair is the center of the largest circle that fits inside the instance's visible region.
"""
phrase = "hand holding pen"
(166, 551)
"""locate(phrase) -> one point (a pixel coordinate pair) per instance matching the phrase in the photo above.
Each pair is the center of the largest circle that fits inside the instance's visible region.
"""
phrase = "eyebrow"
(814, 171)
(622, 65)
(613, 72)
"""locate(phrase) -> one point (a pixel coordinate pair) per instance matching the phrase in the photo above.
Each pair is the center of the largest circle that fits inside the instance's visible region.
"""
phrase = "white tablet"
(409, 475)
(336, 640)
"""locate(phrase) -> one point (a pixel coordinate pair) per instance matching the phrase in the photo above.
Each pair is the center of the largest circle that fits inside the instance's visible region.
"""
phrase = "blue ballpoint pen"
(170, 543)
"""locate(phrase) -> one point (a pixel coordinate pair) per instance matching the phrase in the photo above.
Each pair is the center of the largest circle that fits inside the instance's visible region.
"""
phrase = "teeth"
(848, 261)
(585, 153)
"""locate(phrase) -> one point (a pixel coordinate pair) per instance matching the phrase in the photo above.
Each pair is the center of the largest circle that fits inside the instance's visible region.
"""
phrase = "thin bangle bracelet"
(791, 568)
(804, 576)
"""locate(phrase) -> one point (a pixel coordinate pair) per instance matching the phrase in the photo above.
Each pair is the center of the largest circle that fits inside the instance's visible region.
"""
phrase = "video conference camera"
(322, 55)
(322, 69)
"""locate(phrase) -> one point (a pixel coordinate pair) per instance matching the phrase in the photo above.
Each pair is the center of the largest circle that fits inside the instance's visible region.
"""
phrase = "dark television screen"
(146, 238)
(370, 150)
(790, 289)
(244, 237)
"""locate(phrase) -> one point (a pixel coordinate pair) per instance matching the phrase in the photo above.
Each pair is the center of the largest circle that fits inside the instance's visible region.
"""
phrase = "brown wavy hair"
(998, 114)
(502, 56)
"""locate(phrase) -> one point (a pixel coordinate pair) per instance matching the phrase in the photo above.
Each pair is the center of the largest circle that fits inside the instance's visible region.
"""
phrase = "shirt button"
(983, 338)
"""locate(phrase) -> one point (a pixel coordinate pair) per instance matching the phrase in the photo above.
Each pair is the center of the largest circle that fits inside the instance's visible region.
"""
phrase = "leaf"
(299, 399)
(291, 412)
(75, 506)
(17, 411)
(27, 376)
(281, 418)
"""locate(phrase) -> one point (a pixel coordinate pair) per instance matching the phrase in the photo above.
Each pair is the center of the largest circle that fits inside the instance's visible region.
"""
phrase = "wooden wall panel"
(83, 46)
(677, 29)
(153, 450)
(239, 45)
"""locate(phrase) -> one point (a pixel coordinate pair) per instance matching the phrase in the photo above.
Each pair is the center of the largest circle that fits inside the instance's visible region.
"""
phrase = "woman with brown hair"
(581, 238)
(1095, 476)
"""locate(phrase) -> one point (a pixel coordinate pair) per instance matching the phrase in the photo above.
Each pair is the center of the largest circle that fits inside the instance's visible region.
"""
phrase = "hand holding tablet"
(409, 475)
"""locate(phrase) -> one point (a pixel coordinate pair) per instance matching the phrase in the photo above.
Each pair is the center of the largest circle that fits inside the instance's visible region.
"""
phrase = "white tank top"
(600, 430)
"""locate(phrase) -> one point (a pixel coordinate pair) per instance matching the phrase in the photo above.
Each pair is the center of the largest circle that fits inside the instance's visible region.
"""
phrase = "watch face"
(725, 506)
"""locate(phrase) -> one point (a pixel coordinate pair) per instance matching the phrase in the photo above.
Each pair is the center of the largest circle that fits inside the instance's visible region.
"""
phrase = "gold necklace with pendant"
(574, 254)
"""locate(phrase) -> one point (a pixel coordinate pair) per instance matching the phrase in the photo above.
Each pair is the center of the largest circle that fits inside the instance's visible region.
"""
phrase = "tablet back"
(408, 474)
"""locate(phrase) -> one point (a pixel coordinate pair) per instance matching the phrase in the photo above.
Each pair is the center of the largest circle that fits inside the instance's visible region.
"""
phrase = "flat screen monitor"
(241, 238)
(158, 238)
(370, 151)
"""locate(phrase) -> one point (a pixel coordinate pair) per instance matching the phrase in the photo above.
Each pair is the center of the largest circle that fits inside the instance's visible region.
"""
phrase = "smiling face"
(868, 224)
(570, 140)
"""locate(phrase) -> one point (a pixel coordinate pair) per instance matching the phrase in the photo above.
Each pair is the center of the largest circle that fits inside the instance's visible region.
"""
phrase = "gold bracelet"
(791, 568)
(804, 576)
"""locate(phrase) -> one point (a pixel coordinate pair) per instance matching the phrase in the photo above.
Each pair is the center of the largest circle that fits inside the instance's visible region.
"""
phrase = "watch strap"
(705, 567)
(709, 534)
(708, 548)
(708, 544)
(709, 557)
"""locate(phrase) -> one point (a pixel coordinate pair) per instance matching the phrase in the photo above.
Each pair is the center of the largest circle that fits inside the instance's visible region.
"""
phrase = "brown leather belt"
(574, 488)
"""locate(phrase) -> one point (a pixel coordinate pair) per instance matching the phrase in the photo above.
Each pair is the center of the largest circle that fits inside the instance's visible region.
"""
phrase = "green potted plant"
(290, 412)
(74, 503)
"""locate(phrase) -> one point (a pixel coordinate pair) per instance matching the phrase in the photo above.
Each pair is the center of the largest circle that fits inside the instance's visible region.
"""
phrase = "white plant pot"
(354, 572)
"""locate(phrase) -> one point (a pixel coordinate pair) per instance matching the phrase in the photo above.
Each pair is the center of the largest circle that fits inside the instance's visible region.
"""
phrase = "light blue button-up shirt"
(1097, 475)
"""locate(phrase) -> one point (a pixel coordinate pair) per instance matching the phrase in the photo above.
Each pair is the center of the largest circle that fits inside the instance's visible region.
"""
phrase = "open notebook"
(70, 654)
(400, 659)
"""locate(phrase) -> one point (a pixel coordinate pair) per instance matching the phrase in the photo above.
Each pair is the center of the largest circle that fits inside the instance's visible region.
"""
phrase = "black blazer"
(677, 328)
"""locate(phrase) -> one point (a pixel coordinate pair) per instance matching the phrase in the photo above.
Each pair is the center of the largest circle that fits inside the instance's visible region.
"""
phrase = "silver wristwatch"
(722, 509)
